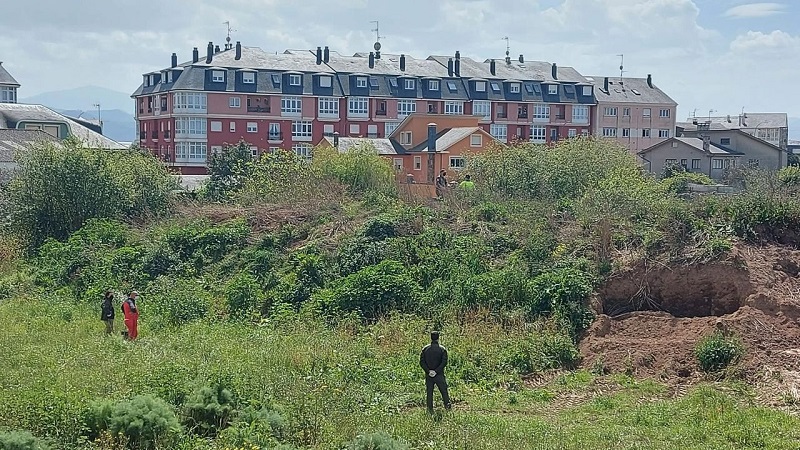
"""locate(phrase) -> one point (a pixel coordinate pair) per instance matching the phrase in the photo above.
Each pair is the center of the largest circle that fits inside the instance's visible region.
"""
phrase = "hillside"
(584, 304)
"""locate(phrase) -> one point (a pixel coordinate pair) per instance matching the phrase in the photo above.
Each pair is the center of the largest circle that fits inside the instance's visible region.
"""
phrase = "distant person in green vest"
(433, 360)
(467, 184)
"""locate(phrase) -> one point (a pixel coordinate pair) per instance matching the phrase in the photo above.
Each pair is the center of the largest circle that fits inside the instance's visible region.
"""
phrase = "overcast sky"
(706, 54)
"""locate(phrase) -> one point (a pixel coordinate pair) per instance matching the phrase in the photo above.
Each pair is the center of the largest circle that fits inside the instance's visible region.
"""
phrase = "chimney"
(377, 54)
(238, 50)
(457, 67)
(174, 60)
(431, 138)
(371, 60)
(450, 67)
(326, 55)
(336, 139)
(210, 53)
(493, 67)
(706, 142)
(555, 71)
(650, 80)
(319, 55)
(605, 85)
(458, 55)
(195, 55)
(216, 49)
(402, 63)
(521, 58)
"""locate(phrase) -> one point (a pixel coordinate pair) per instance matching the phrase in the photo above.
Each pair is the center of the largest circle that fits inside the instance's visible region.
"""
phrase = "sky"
(721, 55)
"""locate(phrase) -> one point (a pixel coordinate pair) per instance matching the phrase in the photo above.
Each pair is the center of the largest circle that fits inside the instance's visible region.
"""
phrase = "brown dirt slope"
(651, 317)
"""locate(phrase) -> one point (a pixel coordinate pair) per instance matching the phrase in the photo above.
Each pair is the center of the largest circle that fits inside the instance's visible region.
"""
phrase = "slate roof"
(13, 113)
(6, 78)
(12, 140)
(382, 145)
(631, 90)
(693, 131)
(697, 143)
(752, 120)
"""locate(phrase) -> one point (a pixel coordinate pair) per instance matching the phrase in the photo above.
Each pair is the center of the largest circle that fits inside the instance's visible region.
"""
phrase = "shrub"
(20, 440)
(790, 176)
(228, 171)
(563, 293)
(144, 421)
(360, 169)
(718, 351)
(678, 181)
(175, 302)
(209, 410)
(540, 352)
(375, 290)
(261, 427)
(243, 296)
(376, 441)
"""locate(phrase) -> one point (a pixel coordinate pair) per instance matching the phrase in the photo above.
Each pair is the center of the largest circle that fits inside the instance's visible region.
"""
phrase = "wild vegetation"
(285, 308)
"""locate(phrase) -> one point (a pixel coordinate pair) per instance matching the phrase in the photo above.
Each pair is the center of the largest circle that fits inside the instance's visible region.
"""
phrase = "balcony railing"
(154, 134)
(256, 109)
(275, 136)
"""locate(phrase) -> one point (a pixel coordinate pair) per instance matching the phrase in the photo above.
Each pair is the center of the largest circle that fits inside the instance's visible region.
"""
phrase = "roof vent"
(521, 58)
(650, 81)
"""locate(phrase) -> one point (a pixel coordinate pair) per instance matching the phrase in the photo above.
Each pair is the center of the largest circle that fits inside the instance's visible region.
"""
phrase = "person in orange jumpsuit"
(131, 313)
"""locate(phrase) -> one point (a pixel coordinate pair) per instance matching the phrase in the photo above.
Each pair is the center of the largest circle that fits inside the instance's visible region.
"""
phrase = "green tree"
(228, 171)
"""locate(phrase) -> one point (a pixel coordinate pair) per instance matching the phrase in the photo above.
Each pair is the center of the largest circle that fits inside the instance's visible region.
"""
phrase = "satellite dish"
(377, 46)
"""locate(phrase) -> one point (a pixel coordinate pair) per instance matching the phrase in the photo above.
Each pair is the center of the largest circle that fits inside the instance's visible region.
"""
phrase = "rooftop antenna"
(621, 66)
(228, 44)
(377, 45)
(694, 114)
(711, 111)
(97, 105)
(508, 49)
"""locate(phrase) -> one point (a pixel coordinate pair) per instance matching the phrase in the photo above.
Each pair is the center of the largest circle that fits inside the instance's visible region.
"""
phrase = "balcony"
(380, 112)
(259, 109)
(167, 134)
(432, 109)
(154, 134)
(502, 115)
(561, 117)
(275, 136)
(522, 115)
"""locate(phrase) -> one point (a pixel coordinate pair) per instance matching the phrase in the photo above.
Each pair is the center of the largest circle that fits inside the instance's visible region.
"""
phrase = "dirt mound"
(651, 317)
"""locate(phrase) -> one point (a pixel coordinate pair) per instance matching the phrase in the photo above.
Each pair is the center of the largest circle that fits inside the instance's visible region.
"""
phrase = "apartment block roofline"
(629, 90)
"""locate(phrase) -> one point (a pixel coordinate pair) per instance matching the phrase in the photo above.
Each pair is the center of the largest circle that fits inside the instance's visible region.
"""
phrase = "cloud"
(754, 10)
(777, 42)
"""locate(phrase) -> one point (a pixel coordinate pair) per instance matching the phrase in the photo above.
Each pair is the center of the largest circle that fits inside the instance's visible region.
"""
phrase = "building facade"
(294, 99)
(633, 111)
(770, 127)
(8, 86)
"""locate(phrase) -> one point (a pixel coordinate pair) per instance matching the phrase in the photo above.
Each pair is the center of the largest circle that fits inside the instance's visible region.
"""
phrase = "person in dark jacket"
(131, 315)
(441, 184)
(107, 311)
(433, 360)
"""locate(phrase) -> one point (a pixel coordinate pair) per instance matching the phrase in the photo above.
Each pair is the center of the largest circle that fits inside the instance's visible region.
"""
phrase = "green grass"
(333, 384)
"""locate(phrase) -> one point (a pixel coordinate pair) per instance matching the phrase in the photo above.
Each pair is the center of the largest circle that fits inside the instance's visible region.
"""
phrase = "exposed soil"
(651, 317)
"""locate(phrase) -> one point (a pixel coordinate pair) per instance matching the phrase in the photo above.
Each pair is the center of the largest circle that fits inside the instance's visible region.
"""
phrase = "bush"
(209, 410)
(678, 181)
(175, 302)
(376, 441)
(718, 351)
(375, 290)
(144, 421)
(56, 190)
(563, 293)
(360, 169)
(790, 176)
(243, 296)
(228, 171)
(263, 427)
(20, 440)
(540, 352)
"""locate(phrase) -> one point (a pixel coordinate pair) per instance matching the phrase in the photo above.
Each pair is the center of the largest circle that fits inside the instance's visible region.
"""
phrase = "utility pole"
(97, 105)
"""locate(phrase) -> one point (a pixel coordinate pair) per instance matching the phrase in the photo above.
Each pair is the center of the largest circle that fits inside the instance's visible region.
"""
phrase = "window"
(475, 140)
(610, 111)
(541, 112)
(645, 132)
(294, 80)
(513, 88)
(358, 107)
(529, 88)
(725, 141)
(670, 162)
(361, 82)
(683, 163)
(191, 152)
(496, 87)
(193, 126)
(454, 107)
(716, 163)
(274, 133)
(752, 163)
(663, 113)
(216, 125)
(663, 133)
(276, 79)
(393, 82)
(609, 132)
(355, 128)
(325, 81)
(302, 150)
(569, 89)
(248, 77)
(328, 107)
(254, 151)
(587, 91)
(433, 85)
(457, 162)
(301, 130)
(580, 114)
(646, 112)
(552, 89)
(189, 102)
(291, 106)
(480, 86)
(373, 82)
(274, 149)
(381, 108)
(406, 107)
(499, 132)
(252, 127)
(398, 164)
(501, 111)
(572, 133)
(234, 102)
(8, 95)
(389, 127)
(451, 86)
(418, 163)
(626, 112)
(410, 85)
(218, 76)
(216, 150)
(232, 126)
(482, 108)
(327, 129)
(372, 131)
(538, 134)
(695, 164)
(626, 132)
(405, 137)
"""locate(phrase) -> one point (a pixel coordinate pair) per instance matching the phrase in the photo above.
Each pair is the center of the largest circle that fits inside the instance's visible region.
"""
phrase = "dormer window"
(294, 80)
(587, 91)
(325, 81)
(169, 76)
(276, 79)
(552, 89)
(361, 82)
(433, 85)
(152, 80)
(373, 83)
(248, 77)
(496, 87)
(480, 86)
(218, 76)
(513, 88)
(146, 81)
(451, 86)
(410, 84)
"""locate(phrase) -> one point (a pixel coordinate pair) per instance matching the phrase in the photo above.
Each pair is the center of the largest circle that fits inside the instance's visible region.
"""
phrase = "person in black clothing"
(441, 183)
(433, 360)
(107, 311)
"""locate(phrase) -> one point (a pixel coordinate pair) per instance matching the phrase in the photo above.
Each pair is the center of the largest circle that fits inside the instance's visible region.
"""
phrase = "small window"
(610, 111)
(216, 125)
(355, 128)
(252, 127)
(646, 112)
(529, 88)
(663, 113)
(475, 140)
(276, 79)
(457, 162)
(418, 163)
(626, 132)
(572, 133)
(695, 164)
(398, 163)
(294, 80)
(393, 82)
(552, 89)
(325, 81)
(405, 137)
(684, 163)
(716, 163)
(645, 132)
(234, 102)
(248, 77)
(232, 126)
(587, 91)
(361, 82)
(725, 141)
(569, 89)
(513, 88)
(451, 86)
(373, 82)
(496, 87)
(635, 92)
(480, 86)
(433, 85)
(626, 112)
(218, 76)
(537, 88)
(410, 84)
(254, 151)
(663, 133)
